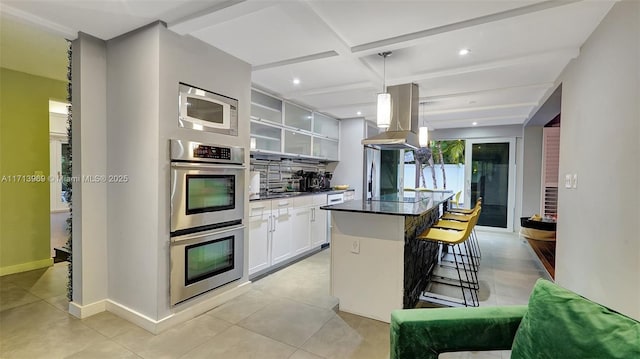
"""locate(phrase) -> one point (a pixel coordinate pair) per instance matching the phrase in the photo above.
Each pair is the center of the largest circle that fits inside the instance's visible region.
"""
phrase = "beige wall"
(598, 248)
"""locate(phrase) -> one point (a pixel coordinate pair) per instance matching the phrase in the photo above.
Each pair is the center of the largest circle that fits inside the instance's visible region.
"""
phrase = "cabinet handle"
(313, 214)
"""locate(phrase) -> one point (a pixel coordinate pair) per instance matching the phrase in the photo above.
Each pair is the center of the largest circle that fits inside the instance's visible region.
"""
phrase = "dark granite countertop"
(295, 194)
(396, 205)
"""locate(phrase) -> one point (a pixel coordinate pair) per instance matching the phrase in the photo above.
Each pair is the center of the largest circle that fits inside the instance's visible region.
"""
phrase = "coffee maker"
(325, 181)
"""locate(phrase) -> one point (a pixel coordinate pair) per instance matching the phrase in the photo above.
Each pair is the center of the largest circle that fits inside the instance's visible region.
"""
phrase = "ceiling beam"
(295, 60)
(217, 14)
(481, 121)
(414, 37)
(481, 108)
(332, 89)
(567, 53)
(451, 96)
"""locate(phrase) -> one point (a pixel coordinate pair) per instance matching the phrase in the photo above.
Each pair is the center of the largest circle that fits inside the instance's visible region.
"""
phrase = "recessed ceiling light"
(464, 52)
(296, 81)
(474, 123)
(359, 113)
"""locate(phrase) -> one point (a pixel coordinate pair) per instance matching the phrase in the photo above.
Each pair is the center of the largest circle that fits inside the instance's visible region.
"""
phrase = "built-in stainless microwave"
(207, 111)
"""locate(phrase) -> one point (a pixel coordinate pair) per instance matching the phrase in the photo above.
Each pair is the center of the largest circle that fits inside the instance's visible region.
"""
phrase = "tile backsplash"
(280, 175)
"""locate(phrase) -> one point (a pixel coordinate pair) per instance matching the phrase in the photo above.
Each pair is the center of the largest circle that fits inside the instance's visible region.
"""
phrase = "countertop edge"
(264, 198)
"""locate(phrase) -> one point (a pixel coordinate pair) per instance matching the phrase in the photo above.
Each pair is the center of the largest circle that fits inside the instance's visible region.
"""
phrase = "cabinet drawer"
(259, 208)
(281, 207)
(319, 200)
(303, 201)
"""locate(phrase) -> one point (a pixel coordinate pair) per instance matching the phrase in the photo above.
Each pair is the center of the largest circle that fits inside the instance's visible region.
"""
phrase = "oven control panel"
(212, 152)
(191, 151)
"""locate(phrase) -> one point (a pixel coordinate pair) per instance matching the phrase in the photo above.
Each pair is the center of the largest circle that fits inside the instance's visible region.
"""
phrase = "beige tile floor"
(288, 314)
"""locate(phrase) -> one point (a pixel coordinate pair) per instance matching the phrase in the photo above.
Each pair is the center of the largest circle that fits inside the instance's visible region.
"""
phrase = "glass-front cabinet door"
(325, 148)
(265, 107)
(297, 143)
(265, 137)
(326, 126)
(297, 117)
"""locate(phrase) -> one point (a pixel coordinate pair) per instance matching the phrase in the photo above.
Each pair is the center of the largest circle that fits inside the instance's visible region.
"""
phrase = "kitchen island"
(377, 264)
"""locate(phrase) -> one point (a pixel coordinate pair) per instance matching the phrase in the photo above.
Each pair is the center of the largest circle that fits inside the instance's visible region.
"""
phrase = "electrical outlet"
(355, 246)
(567, 181)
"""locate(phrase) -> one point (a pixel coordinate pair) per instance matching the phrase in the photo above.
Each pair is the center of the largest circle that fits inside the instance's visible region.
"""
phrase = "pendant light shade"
(384, 110)
(423, 136)
(383, 119)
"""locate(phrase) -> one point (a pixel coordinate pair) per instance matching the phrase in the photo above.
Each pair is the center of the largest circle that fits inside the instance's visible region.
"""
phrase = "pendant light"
(423, 131)
(384, 99)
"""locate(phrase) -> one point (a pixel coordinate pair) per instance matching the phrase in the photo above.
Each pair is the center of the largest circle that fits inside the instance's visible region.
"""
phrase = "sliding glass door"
(490, 174)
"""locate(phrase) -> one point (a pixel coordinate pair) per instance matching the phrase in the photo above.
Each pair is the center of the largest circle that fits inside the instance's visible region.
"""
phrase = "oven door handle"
(192, 236)
(205, 166)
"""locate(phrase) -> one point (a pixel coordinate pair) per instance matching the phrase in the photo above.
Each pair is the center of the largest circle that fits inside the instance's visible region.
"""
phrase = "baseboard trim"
(23, 267)
(84, 311)
(180, 316)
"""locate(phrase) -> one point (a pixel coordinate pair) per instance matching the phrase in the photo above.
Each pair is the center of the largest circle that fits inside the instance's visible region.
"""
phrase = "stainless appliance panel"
(226, 120)
(182, 150)
(204, 261)
(185, 216)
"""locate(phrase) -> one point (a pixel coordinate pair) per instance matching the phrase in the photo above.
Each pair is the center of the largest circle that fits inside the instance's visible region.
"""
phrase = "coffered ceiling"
(517, 48)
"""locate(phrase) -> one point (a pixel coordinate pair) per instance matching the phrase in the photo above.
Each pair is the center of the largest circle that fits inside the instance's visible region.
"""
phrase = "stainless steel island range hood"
(403, 131)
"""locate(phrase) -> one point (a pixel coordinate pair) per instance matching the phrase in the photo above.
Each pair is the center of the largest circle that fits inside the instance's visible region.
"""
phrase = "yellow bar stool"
(453, 239)
(471, 252)
(464, 217)
(458, 210)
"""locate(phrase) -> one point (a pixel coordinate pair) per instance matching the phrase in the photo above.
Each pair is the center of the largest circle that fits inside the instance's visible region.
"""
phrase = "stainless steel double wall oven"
(207, 209)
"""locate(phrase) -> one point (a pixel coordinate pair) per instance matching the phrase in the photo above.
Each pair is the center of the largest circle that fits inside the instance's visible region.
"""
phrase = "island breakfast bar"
(377, 264)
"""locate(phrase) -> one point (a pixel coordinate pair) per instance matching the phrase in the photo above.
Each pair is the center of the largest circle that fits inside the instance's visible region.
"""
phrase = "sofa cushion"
(562, 324)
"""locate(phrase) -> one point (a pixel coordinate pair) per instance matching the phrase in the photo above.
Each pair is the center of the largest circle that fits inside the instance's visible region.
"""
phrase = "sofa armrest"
(424, 333)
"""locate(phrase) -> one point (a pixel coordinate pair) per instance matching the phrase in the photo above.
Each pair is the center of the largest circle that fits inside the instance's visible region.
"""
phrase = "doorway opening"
(490, 175)
(58, 170)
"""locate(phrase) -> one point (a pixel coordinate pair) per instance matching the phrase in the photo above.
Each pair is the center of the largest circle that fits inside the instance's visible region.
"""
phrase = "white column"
(89, 145)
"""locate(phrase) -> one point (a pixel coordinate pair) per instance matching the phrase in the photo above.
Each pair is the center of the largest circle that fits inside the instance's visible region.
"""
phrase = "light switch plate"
(567, 181)
(574, 181)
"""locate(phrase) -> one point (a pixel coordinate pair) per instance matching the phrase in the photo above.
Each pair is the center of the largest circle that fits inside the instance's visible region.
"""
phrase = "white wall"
(144, 69)
(189, 60)
(532, 171)
(133, 131)
(350, 169)
(90, 158)
(598, 245)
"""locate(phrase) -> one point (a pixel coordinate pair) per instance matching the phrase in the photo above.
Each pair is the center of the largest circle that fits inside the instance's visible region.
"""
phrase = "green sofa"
(556, 323)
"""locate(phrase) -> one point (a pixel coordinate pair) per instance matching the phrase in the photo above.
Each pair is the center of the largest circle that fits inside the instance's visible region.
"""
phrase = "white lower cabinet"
(301, 223)
(280, 229)
(318, 221)
(259, 241)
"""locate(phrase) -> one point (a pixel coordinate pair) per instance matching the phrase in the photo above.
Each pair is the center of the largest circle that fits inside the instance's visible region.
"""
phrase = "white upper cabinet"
(283, 127)
(297, 117)
(297, 143)
(325, 148)
(266, 137)
(265, 107)
(326, 126)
